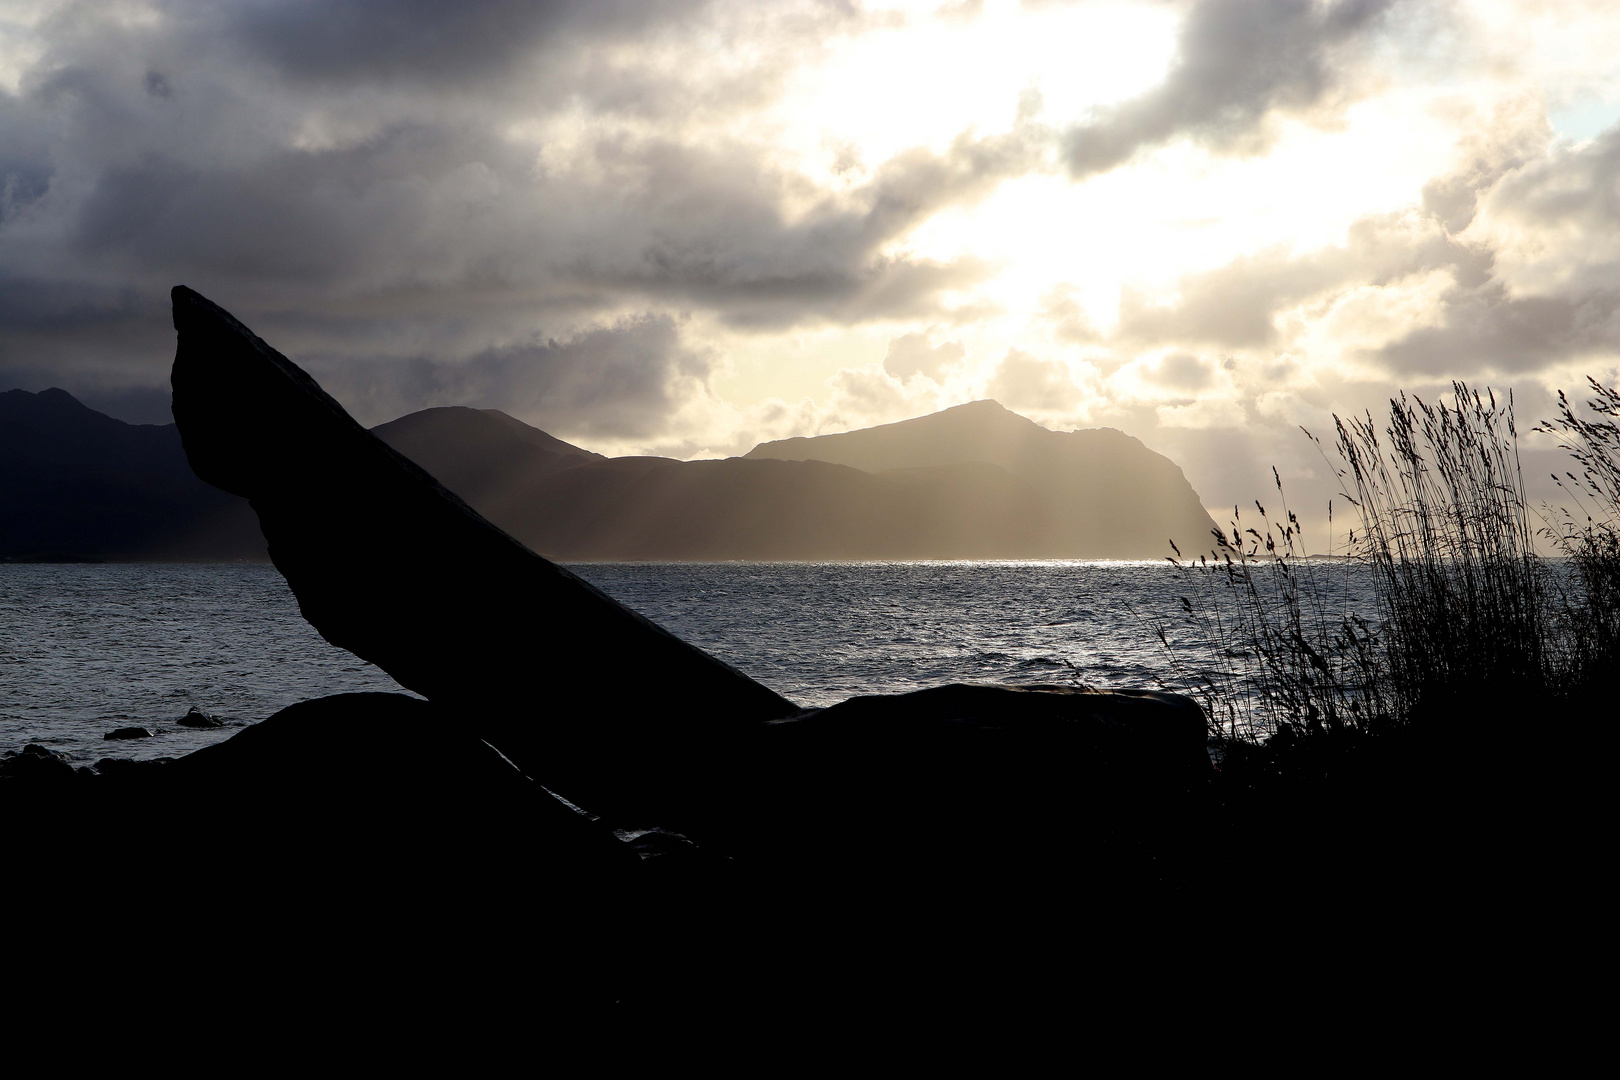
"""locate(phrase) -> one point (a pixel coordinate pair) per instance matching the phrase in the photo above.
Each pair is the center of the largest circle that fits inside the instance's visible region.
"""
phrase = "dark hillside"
(76, 484)
(487, 457)
(975, 482)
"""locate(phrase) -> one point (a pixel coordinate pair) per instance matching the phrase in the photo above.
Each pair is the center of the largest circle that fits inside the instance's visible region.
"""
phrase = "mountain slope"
(487, 457)
(972, 482)
(76, 484)
(1105, 494)
(975, 482)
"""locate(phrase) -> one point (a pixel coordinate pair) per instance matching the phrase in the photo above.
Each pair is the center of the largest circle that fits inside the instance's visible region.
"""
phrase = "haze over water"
(85, 649)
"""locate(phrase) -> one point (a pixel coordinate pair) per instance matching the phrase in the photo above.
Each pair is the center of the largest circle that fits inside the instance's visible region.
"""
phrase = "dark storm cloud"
(203, 179)
(302, 164)
(60, 333)
(312, 216)
(49, 307)
(1238, 61)
(717, 234)
(614, 381)
(25, 167)
(423, 40)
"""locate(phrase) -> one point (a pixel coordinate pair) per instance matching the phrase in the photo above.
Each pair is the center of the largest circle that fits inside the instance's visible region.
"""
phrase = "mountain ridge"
(973, 482)
(78, 485)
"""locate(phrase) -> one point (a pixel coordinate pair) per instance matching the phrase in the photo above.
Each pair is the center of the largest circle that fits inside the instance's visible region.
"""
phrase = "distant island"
(971, 482)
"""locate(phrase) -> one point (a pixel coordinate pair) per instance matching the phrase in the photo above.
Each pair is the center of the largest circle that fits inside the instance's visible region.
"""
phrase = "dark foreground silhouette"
(588, 816)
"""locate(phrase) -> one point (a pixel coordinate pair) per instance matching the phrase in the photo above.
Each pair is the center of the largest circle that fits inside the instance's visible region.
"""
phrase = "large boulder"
(35, 764)
(955, 780)
(359, 848)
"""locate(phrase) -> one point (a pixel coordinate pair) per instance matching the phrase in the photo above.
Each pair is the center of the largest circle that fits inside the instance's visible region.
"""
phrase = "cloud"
(1553, 228)
(1489, 330)
(1236, 305)
(1289, 410)
(1509, 266)
(1183, 371)
(398, 188)
(1023, 381)
(1239, 61)
(619, 381)
(910, 354)
(423, 40)
(1515, 134)
(1569, 193)
(25, 167)
(721, 236)
(867, 391)
(1207, 413)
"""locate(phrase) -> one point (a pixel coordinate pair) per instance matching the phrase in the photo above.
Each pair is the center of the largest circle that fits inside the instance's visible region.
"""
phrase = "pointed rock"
(387, 563)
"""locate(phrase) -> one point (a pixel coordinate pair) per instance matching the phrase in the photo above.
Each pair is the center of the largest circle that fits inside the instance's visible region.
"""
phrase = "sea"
(87, 649)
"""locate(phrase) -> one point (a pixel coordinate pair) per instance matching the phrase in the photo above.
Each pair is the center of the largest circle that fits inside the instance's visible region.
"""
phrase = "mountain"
(1102, 493)
(76, 484)
(976, 481)
(973, 482)
(490, 459)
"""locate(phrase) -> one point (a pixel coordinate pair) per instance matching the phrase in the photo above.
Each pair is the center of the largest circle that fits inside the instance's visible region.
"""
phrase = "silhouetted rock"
(122, 769)
(376, 776)
(130, 733)
(957, 779)
(360, 839)
(36, 764)
(78, 485)
(197, 718)
(388, 564)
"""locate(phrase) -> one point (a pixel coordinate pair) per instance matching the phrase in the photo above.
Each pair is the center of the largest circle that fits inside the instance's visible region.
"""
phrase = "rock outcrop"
(130, 733)
(388, 564)
(197, 718)
(35, 764)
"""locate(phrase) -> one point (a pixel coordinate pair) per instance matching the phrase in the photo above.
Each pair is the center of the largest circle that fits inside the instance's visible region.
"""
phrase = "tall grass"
(1470, 620)
(1588, 534)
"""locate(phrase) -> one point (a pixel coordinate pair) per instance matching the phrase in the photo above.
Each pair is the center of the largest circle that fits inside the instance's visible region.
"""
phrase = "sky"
(684, 227)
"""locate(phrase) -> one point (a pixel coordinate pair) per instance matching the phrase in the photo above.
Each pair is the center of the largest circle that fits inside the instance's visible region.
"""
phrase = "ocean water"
(85, 649)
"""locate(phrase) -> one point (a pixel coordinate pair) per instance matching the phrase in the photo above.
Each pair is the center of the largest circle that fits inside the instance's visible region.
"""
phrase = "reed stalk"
(1470, 621)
